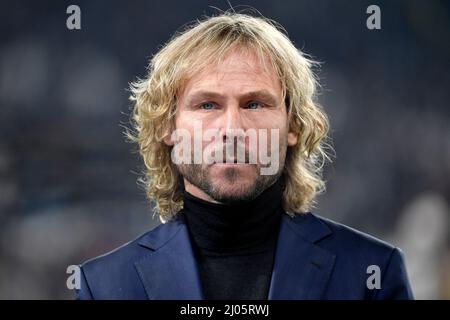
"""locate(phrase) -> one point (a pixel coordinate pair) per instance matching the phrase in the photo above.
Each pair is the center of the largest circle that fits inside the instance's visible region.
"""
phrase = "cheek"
(184, 122)
(179, 120)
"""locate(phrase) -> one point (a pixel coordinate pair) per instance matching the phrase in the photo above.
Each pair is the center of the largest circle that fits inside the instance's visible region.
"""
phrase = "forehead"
(237, 71)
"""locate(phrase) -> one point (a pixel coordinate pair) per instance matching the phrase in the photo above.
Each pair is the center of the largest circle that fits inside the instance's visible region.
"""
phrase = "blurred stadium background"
(68, 187)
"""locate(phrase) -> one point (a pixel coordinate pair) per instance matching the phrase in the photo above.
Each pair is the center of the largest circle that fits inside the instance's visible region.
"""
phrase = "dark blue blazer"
(315, 259)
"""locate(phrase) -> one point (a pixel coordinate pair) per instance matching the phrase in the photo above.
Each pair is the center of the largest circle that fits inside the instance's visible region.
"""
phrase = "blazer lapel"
(170, 271)
(301, 268)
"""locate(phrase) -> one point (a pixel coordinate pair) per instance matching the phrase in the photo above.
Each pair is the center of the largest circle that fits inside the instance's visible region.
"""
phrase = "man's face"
(236, 94)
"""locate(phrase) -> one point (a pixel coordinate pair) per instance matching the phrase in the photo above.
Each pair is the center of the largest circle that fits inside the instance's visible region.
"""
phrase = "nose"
(231, 120)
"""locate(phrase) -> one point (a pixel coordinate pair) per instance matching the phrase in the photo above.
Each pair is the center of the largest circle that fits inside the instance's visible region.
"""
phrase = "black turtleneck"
(235, 244)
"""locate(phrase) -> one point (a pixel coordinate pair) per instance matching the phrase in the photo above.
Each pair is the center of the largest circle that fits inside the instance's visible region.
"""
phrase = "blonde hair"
(207, 41)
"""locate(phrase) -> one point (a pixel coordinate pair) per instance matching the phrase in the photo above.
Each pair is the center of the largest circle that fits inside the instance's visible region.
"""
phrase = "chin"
(234, 174)
(236, 187)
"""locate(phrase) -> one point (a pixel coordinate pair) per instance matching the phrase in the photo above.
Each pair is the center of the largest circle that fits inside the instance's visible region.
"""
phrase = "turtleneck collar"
(237, 228)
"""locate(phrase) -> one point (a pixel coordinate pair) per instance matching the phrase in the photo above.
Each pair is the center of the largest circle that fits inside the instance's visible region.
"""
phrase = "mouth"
(232, 162)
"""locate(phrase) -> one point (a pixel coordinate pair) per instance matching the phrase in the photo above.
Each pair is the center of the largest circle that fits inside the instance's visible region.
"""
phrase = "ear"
(292, 138)
(168, 138)
(168, 141)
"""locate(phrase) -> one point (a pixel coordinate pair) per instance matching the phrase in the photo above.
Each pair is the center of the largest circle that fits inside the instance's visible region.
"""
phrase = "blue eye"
(207, 106)
(253, 105)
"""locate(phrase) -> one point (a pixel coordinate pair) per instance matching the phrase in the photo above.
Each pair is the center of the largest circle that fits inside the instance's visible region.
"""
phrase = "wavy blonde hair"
(190, 50)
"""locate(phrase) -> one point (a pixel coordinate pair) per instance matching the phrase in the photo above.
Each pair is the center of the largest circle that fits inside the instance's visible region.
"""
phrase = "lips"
(236, 162)
(232, 161)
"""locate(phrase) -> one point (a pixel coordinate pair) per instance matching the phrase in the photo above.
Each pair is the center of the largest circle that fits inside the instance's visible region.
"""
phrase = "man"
(234, 144)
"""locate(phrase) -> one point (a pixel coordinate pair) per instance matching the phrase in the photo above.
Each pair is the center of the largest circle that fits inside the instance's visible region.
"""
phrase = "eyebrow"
(263, 95)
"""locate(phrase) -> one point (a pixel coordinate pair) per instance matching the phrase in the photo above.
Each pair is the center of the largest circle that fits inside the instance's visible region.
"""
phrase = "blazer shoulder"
(358, 252)
(348, 239)
(113, 275)
(129, 251)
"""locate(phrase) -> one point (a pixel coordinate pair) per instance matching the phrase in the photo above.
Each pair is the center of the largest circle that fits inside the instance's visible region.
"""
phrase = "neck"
(197, 192)
(225, 228)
